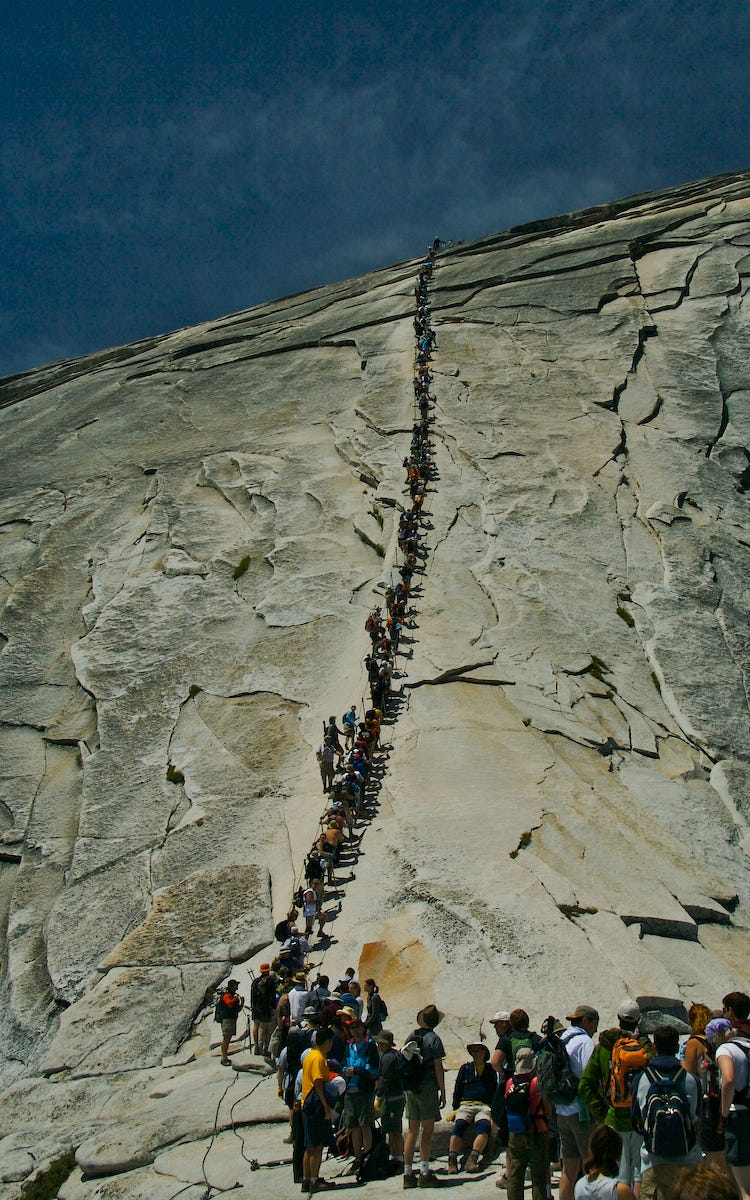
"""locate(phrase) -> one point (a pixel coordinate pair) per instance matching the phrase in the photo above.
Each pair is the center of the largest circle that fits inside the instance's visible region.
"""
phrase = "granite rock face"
(192, 530)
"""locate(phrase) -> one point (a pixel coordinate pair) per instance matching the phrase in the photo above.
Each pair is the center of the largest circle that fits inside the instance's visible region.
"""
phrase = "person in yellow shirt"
(316, 1111)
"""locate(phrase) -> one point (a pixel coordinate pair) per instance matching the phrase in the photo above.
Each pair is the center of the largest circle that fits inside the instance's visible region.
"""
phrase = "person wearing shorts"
(316, 1111)
(473, 1094)
(232, 1005)
(424, 1102)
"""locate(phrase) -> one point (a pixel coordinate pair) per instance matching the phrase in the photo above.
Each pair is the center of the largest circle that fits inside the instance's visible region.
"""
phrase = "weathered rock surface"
(192, 530)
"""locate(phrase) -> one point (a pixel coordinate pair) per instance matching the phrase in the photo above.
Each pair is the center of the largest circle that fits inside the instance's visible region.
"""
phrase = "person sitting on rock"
(473, 1093)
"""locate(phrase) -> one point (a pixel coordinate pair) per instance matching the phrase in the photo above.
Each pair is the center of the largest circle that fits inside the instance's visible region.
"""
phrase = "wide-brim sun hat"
(429, 1016)
(472, 1046)
(525, 1061)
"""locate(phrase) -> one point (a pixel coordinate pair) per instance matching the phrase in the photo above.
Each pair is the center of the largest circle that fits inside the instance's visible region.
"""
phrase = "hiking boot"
(452, 1163)
(321, 1185)
(305, 1185)
(472, 1165)
(429, 1180)
(410, 1180)
(226, 1062)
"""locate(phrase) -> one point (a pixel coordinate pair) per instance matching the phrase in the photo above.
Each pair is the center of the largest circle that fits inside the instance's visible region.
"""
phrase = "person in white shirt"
(574, 1127)
(732, 1058)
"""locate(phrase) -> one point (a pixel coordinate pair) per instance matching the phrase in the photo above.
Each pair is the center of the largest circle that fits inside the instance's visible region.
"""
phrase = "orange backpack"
(629, 1057)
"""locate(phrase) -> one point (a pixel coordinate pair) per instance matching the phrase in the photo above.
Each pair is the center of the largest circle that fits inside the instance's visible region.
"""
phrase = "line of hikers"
(347, 754)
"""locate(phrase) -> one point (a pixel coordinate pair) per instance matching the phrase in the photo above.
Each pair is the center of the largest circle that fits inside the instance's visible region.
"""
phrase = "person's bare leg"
(571, 1169)
(425, 1141)
(410, 1142)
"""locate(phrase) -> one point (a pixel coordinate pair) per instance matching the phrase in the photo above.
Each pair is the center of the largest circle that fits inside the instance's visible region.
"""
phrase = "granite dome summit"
(192, 531)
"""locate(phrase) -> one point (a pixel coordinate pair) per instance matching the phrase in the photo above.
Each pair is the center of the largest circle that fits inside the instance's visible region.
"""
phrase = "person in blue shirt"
(361, 1069)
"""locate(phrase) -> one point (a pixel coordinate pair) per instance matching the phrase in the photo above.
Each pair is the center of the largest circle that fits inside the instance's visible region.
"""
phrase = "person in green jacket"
(605, 1086)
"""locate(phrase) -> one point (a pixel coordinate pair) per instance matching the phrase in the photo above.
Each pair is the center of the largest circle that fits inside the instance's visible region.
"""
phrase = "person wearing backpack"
(262, 1007)
(517, 1037)
(425, 1096)
(694, 1049)
(377, 1009)
(607, 1081)
(665, 1110)
(361, 1070)
(711, 1126)
(733, 1057)
(573, 1118)
(528, 1121)
(389, 1098)
(228, 1008)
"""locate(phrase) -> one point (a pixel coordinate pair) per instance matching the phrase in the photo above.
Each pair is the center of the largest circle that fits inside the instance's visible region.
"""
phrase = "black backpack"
(221, 1012)
(518, 1104)
(666, 1119)
(376, 1164)
(297, 1041)
(557, 1080)
(416, 1067)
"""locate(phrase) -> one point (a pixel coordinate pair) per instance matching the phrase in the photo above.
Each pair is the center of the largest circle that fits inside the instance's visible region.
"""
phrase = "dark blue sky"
(166, 163)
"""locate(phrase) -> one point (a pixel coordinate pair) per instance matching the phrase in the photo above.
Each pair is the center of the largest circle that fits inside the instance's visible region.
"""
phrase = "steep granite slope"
(192, 531)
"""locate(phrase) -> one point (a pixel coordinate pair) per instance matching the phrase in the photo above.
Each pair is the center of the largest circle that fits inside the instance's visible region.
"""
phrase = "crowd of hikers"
(637, 1112)
(622, 1114)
